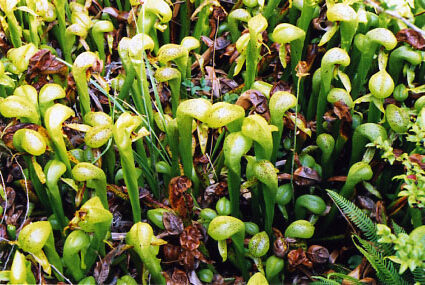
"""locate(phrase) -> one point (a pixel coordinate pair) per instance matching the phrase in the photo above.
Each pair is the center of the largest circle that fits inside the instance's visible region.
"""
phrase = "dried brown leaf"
(190, 238)
(8, 133)
(321, 23)
(306, 176)
(281, 86)
(255, 100)
(101, 271)
(180, 200)
(412, 37)
(178, 277)
(380, 213)
(213, 192)
(193, 278)
(189, 258)
(172, 223)
(218, 280)
(219, 13)
(298, 257)
(397, 206)
(4, 43)
(418, 158)
(214, 81)
(171, 252)
(44, 63)
(366, 202)
(342, 111)
(280, 247)
(337, 179)
(121, 16)
(318, 254)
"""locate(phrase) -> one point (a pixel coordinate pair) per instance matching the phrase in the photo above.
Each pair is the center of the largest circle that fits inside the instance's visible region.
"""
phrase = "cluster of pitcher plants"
(207, 141)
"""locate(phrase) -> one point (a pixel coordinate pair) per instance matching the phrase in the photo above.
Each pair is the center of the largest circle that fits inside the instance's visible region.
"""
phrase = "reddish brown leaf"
(306, 176)
(397, 205)
(345, 130)
(11, 130)
(227, 84)
(150, 201)
(219, 13)
(178, 277)
(302, 69)
(284, 176)
(4, 44)
(43, 63)
(368, 281)
(312, 52)
(218, 280)
(289, 120)
(337, 179)
(13, 215)
(187, 258)
(333, 256)
(321, 23)
(213, 81)
(342, 111)
(256, 100)
(193, 278)
(281, 86)
(412, 37)
(418, 158)
(101, 271)
(171, 252)
(10, 196)
(230, 49)
(318, 254)
(380, 213)
(121, 16)
(358, 272)
(213, 192)
(190, 238)
(329, 117)
(280, 247)
(172, 223)
(180, 200)
(366, 202)
(298, 257)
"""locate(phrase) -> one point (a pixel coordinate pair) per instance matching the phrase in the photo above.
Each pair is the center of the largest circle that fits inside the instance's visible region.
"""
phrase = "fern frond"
(336, 278)
(355, 215)
(347, 278)
(324, 281)
(398, 229)
(419, 275)
(385, 269)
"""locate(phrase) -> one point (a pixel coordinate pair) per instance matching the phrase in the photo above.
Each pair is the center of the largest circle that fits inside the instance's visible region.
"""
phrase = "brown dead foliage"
(297, 257)
(255, 101)
(306, 176)
(11, 130)
(180, 200)
(318, 254)
(190, 238)
(44, 63)
(280, 86)
(121, 16)
(101, 271)
(178, 277)
(213, 192)
(172, 223)
(412, 37)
